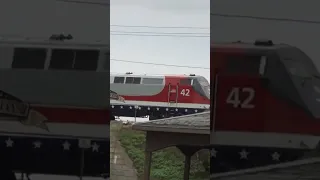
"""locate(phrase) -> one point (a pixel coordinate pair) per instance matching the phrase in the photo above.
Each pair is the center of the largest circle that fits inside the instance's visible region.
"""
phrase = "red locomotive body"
(265, 104)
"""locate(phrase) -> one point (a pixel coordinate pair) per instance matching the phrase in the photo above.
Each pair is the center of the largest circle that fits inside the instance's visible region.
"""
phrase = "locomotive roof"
(152, 75)
(46, 43)
(249, 46)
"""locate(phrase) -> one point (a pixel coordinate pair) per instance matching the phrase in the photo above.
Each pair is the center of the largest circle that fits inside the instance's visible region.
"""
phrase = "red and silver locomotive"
(53, 103)
(266, 104)
(159, 96)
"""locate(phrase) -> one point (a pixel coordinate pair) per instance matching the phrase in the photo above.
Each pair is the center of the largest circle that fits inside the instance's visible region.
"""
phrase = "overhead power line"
(145, 32)
(161, 27)
(265, 18)
(162, 34)
(85, 2)
(159, 64)
(155, 35)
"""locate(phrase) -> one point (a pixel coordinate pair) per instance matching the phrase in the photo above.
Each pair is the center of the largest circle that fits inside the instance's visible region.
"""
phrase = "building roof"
(306, 169)
(198, 123)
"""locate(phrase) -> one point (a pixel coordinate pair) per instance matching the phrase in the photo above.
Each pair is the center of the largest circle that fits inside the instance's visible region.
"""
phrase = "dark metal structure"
(188, 133)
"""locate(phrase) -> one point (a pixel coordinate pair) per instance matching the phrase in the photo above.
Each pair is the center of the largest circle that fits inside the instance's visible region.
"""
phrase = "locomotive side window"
(133, 80)
(136, 80)
(152, 81)
(29, 58)
(86, 60)
(68, 59)
(249, 64)
(118, 80)
(62, 59)
(186, 82)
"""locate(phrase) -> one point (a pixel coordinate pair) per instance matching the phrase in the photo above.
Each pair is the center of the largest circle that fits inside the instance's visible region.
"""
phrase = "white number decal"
(185, 92)
(233, 98)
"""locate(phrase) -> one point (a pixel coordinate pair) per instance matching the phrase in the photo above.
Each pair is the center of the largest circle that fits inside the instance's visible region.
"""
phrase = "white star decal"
(157, 109)
(139, 107)
(95, 147)
(66, 145)
(37, 144)
(196, 110)
(121, 107)
(9, 142)
(176, 109)
(130, 107)
(275, 156)
(186, 110)
(167, 109)
(112, 106)
(243, 154)
(148, 108)
(213, 153)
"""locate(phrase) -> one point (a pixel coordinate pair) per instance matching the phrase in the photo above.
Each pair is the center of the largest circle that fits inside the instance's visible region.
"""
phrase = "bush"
(167, 164)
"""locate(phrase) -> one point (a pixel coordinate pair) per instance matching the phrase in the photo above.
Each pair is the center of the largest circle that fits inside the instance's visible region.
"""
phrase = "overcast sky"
(187, 51)
(41, 18)
(304, 36)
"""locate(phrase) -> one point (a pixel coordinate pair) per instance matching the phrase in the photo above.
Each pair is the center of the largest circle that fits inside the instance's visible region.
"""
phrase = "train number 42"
(234, 98)
(185, 92)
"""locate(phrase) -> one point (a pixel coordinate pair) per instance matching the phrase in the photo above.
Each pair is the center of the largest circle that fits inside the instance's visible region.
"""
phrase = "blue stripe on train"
(138, 111)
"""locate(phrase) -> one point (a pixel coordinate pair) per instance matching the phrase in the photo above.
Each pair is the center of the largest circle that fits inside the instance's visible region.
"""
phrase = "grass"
(167, 164)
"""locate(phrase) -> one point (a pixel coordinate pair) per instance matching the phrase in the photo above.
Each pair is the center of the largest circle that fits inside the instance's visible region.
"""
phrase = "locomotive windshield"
(205, 85)
(202, 86)
(299, 64)
(299, 69)
(305, 77)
